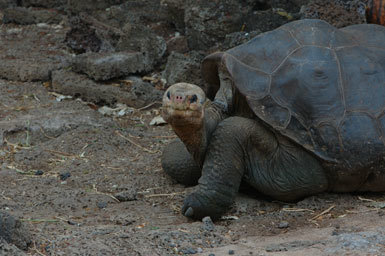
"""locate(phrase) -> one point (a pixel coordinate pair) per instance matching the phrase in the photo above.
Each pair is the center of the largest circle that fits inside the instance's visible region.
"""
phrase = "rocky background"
(115, 51)
(93, 72)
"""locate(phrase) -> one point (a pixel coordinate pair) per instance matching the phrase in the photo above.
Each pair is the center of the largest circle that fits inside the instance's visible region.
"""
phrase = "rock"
(141, 12)
(231, 252)
(14, 231)
(120, 110)
(101, 205)
(177, 44)
(105, 66)
(283, 224)
(123, 220)
(127, 195)
(339, 13)
(175, 13)
(268, 15)
(39, 172)
(7, 4)
(266, 20)
(370, 242)
(208, 22)
(158, 120)
(76, 6)
(57, 4)
(84, 37)
(137, 94)
(64, 175)
(138, 38)
(56, 119)
(208, 224)
(25, 16)
(237, 38)
(9, 249)
(141, 39)
(188, 250)
(183, 68)
(32, 52)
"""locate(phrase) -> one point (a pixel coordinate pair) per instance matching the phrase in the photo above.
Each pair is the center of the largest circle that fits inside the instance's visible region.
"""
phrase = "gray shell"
(322, 87)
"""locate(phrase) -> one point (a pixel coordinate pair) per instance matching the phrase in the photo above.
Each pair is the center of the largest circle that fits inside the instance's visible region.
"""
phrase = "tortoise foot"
(197, 206)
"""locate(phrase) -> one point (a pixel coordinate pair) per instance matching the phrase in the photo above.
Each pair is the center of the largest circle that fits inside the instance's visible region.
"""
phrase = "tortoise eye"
(193, 98)
(168, 95)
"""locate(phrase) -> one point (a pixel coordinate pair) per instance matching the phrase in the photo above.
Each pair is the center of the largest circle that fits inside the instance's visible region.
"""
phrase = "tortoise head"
(183, 104)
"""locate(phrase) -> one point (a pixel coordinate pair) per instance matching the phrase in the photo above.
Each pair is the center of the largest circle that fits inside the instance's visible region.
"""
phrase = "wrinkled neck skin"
(196, 136)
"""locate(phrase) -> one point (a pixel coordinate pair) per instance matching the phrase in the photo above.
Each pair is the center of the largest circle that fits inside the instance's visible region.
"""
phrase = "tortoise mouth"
(182, 114)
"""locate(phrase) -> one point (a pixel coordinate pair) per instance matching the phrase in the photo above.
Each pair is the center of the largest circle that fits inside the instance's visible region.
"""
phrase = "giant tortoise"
(294, 112)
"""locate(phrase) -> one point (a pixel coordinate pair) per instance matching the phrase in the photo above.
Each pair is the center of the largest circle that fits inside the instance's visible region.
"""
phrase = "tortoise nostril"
(193, 98)
(168, 95)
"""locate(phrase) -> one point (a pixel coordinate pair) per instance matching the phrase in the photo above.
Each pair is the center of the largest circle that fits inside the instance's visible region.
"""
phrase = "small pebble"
(211, 254)
(283, 224)
(64, 175)
(208, 224)
(101, 205)
(126, 195)
(188, 251)
(70, 222)
(199, 250)
(39, 172)
(231, 252)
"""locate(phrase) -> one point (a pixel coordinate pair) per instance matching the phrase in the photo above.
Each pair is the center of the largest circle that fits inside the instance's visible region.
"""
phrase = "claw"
(189, 212)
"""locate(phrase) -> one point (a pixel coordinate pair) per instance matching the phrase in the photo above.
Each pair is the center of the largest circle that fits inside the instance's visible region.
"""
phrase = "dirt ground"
(86, 184)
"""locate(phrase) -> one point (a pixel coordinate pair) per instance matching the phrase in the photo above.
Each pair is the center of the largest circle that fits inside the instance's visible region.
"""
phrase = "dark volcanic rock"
(138, 38)
(137, 94)
(104, 66)
(238, 38)
(127, 195)
(338, 13)
(7, 4)
(175, 13)
(57, 4)
(13, 231)
(83, 37)
(76, 6)
(64, 175)
(208, 22)
(183, 68)
(25, 16)
(268, 15)
(177, 44)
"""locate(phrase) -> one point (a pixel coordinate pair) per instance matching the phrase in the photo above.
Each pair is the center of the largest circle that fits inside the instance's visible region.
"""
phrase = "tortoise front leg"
(222, 171)
(179, 164)
(270, 163)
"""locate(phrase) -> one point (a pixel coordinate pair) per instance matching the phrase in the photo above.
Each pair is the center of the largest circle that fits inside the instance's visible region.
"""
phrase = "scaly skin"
(228, 149)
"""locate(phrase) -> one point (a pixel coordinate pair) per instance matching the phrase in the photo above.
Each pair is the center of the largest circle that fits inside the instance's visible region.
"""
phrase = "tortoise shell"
(321, 87)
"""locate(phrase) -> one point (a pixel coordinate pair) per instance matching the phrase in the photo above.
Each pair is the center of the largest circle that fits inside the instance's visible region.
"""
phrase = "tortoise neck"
(194, 137)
